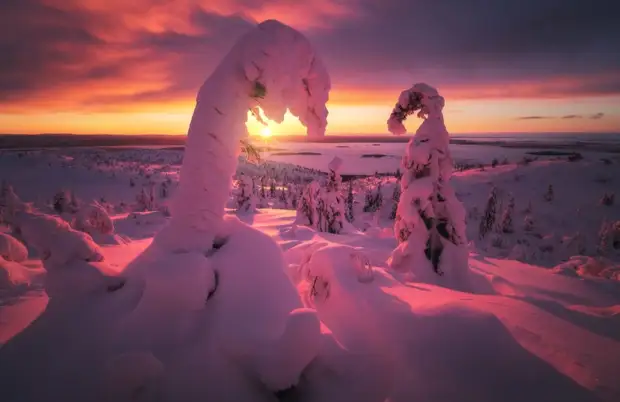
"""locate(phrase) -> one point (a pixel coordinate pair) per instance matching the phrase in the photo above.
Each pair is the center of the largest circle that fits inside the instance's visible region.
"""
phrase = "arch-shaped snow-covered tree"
(200, 255)
(272, 67)
(430, 221)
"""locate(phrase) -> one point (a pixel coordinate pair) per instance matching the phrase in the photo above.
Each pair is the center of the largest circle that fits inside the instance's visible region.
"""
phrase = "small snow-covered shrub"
(12, 249)
(549, 195)
(490, 211)
(609, 237)
(528, 223)
(145, 200)
(506, 225)
(93, 218)
(349, 205)
(608, 199)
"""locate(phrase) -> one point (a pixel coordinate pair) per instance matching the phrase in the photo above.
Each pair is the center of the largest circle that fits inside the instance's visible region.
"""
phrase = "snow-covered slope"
(525, 332)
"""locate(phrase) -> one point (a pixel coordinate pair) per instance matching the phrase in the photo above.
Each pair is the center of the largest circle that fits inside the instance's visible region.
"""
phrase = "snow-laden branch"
(274, 67)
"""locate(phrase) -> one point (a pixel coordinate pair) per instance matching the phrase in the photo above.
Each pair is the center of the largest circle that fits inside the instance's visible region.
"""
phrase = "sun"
(265, 132)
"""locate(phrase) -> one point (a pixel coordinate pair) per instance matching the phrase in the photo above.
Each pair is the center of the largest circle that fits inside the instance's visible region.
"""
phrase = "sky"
(134, 66)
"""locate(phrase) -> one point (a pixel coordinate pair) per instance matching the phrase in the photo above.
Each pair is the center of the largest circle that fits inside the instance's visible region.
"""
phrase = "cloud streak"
(120, 54)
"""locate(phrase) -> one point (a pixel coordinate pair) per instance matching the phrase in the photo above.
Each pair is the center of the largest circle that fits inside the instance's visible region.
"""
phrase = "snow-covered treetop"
(421, 98)
(282, 71)
(335, 164)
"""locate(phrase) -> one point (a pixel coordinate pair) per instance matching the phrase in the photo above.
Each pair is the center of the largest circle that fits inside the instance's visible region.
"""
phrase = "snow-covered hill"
(525, 332)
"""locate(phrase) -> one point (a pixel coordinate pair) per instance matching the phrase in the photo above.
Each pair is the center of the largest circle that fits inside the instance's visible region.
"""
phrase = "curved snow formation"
(203, 267)
(273, 67)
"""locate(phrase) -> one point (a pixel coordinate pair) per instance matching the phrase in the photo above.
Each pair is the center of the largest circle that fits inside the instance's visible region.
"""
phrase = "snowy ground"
(528, 332)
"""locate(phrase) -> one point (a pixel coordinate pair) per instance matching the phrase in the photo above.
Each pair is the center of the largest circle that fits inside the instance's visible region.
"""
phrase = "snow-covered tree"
(349, 207)
(61, 202)
(276, 68)
(507, 225)
(308, 204)
(608, 199)
(373, 199)
(245, 200)
(144, 201)
(549, 195)
(490, 212)
(93, 218)
(528, 223)
(395, 199)
(163, 190)
(430, 221)
(272, 189)
(330, 204)
(608, 237)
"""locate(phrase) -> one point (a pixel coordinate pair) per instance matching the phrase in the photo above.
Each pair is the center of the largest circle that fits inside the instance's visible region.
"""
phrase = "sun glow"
(265, 132)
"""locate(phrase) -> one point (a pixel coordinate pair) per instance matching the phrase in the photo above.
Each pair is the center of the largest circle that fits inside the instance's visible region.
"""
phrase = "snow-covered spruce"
(430, 220)
(245, 199)
(274, 338)
(330, 205)
(507, 224)
(349, 206)
(308, 204)
(487, 223)
(93, 218)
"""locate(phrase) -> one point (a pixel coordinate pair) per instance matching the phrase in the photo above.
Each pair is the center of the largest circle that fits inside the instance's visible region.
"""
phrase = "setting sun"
(265, 132)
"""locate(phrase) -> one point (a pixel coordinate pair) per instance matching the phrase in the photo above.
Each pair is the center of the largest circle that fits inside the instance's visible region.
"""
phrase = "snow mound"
(78, 279)
(12, 249)
(328, 265)
(276, 338)
(12, 275)
(55, 240)
(133, 376)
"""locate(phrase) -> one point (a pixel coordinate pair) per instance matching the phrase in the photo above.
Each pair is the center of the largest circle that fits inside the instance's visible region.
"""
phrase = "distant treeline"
(18, 141)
